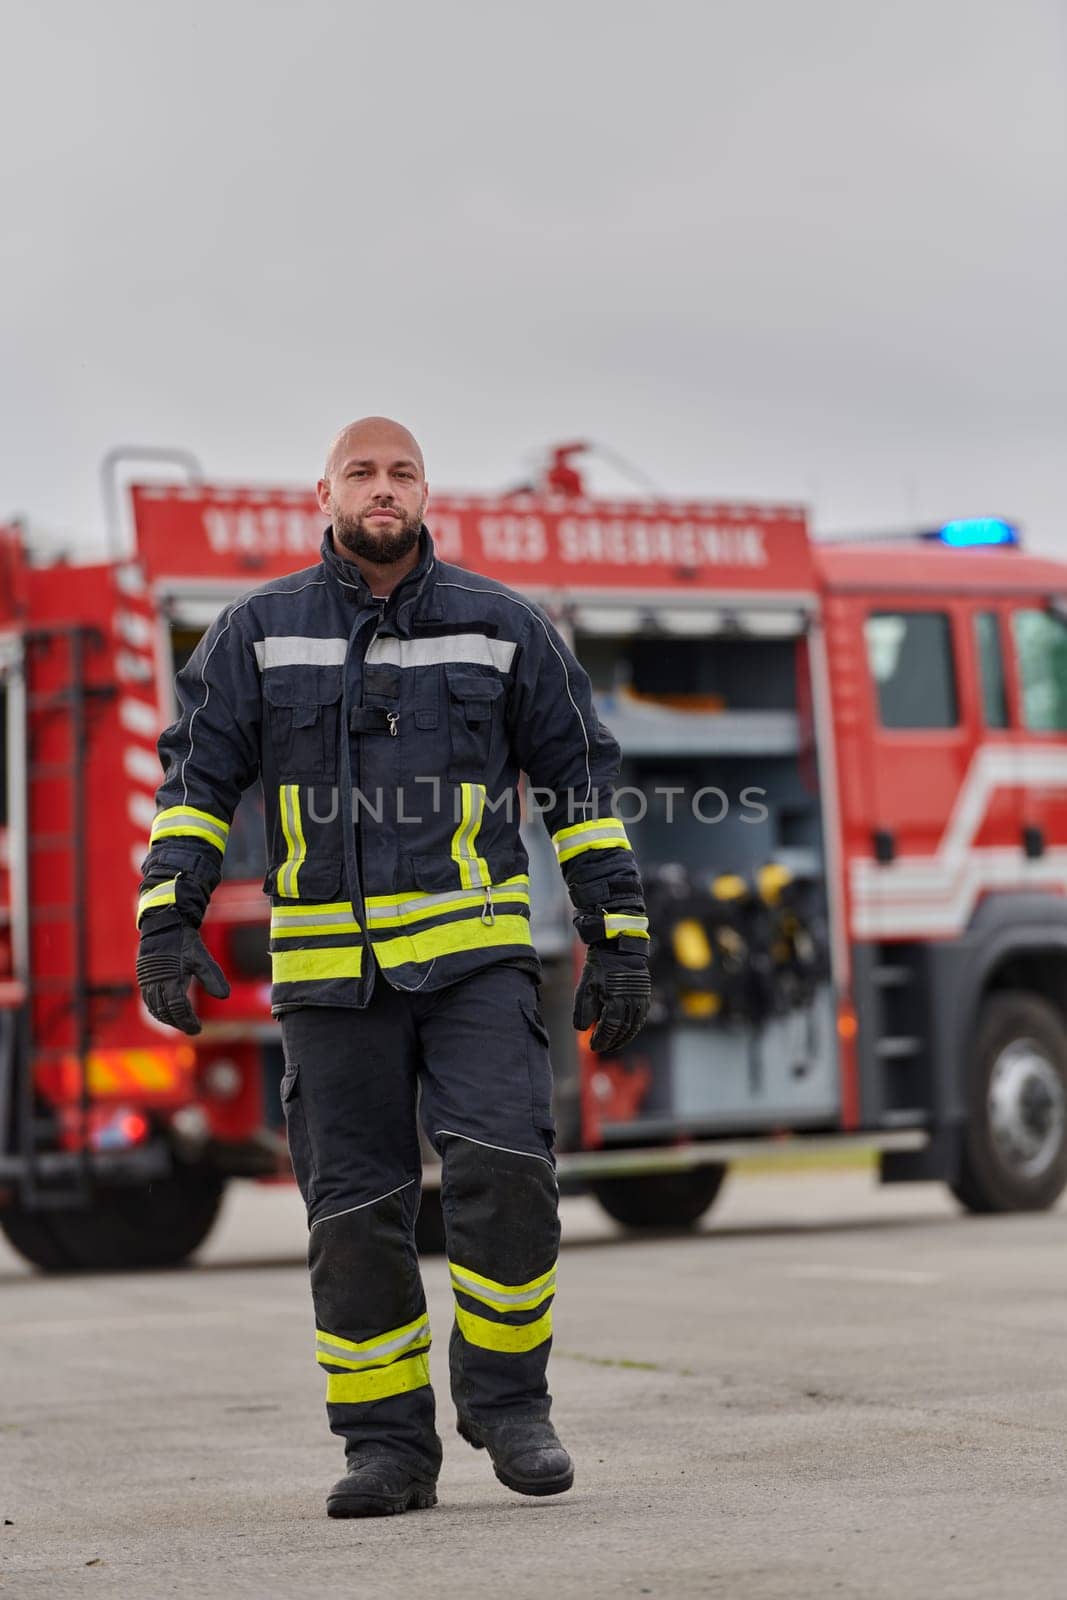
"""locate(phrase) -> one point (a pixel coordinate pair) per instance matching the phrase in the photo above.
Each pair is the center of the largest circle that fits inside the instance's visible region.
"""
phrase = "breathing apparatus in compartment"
(727, 949)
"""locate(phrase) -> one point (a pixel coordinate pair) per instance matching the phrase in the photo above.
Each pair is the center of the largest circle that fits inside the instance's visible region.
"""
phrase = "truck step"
(898, 1049)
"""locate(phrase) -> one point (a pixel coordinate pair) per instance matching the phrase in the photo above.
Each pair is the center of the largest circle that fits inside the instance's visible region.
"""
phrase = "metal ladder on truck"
(46, 1008)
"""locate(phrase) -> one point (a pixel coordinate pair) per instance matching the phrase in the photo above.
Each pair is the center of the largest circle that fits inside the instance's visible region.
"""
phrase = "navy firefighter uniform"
(389, 737)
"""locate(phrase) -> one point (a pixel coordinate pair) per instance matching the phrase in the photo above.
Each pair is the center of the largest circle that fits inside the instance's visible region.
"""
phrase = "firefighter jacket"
(389, 737)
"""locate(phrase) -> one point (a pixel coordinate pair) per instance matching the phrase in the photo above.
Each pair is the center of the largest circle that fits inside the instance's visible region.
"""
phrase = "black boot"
(527, 1455)
(379, 1486)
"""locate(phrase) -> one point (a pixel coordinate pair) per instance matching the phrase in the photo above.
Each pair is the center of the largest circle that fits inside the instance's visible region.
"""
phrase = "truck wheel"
(157, 1225)
(1015, 1145)
(660, 1199)
(31, 1234)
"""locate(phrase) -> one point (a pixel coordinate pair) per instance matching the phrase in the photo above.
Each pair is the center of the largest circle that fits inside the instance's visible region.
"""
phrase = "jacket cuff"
(181, 895)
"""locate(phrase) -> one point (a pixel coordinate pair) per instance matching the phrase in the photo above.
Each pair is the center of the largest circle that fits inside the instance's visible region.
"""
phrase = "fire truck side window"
(1041, 647)
(991, 669)
(910, 657)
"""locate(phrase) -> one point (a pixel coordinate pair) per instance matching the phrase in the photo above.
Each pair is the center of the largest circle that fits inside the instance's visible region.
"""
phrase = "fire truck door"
(1036, 647)
(936, 699)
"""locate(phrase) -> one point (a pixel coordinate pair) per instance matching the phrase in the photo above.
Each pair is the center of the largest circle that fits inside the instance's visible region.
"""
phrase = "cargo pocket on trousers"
(300, 1153)
(540, 1067)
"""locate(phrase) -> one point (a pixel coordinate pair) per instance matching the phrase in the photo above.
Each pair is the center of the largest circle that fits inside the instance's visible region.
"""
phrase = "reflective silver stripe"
(325, 1347)
(481, 1291)
(416, 905)
(310, 919)
(605, 828)
(620, 922)
(292, 650)
(578, 841)
(474, 648)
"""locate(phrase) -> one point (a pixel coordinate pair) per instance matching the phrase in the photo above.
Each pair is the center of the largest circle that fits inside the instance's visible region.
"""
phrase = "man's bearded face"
(381, 532)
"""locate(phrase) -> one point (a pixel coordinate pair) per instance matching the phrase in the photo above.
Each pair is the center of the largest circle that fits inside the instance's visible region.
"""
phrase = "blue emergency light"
(971, 532)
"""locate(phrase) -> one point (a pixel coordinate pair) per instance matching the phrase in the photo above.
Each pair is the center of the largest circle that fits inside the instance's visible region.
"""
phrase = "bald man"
(389, 702)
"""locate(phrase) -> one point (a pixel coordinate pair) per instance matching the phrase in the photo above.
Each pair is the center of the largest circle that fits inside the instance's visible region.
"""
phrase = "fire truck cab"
(844, 774)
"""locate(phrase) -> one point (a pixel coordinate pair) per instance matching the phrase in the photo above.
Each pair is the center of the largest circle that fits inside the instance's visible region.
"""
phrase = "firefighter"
(389, 701)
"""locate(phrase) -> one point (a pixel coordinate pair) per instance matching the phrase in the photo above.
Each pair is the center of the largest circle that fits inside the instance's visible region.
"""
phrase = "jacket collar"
(418, 582)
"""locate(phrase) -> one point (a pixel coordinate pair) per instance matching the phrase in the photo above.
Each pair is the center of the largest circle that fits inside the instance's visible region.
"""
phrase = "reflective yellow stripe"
(307, 966)
(473, 870)
(594, 844)
(186, 822)
(503, 1296)
(385, 911)
(577, 830)
(162, 894)
(289, 808)
(602, 833)
(452, 938)
(616, 922)
(356, 1388)
(502, 1335)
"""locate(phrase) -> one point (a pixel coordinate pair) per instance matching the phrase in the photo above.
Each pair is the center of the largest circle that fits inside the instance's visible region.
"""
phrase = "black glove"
(171, 953)
(615, 991)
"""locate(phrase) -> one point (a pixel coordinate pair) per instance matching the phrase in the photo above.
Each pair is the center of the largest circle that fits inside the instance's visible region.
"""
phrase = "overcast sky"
(802, 249)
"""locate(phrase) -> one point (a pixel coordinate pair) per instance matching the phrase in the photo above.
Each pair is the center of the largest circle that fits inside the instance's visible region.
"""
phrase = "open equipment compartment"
(720, 793)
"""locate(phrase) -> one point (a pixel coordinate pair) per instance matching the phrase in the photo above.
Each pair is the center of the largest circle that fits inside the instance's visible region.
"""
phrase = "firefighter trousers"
(473, 1058)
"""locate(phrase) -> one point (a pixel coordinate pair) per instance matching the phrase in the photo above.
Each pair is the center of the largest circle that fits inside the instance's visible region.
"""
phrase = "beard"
(382, 548)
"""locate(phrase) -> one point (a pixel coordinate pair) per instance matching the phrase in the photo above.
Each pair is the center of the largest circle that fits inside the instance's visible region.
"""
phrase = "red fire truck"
(845, 776)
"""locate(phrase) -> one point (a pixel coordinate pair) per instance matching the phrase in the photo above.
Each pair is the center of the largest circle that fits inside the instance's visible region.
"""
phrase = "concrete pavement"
(833, 1390)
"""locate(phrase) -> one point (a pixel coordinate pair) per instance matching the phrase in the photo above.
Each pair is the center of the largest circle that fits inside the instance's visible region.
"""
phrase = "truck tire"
(157, 1225)
(32, 1235)
(661, 1200)
(1015, 1143)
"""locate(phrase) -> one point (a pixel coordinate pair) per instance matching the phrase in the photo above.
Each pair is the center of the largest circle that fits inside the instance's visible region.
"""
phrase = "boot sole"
(380, 1505)
(539, 1486)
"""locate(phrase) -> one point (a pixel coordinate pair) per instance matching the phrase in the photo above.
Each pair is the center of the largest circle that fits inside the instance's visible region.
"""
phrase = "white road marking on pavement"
(864, 1274)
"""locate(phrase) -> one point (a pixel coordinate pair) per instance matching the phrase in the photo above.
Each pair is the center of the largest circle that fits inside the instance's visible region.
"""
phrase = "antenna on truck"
(126, 454)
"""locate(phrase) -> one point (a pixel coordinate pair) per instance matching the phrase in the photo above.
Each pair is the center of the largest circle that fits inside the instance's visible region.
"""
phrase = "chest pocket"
(475, 713)
(302, 719)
